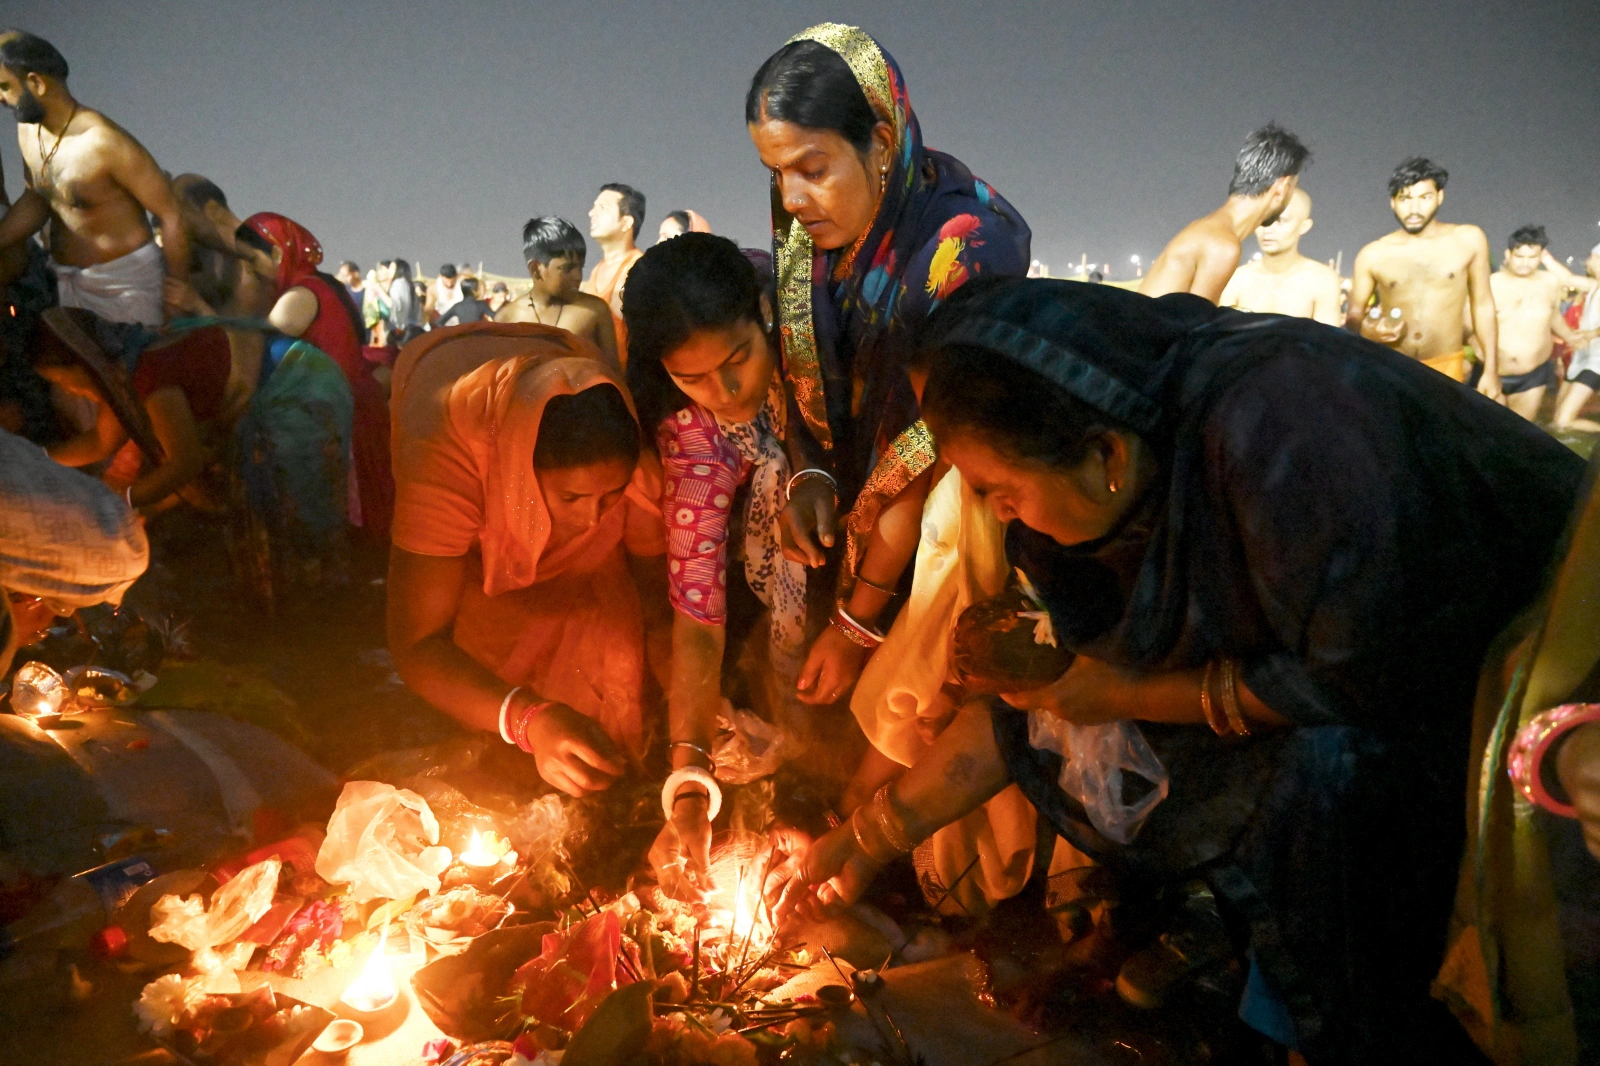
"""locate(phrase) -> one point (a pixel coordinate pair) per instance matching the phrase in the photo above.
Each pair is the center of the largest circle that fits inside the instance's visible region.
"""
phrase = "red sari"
(335, 332)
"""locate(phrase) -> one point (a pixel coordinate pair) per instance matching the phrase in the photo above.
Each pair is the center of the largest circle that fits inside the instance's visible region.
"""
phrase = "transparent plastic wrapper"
(383, 842)
(188, 922)
(38, 693)
(1097, 758)
(747, 747)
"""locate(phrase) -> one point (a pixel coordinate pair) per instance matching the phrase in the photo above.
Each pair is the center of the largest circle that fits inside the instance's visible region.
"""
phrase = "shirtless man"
(1205, 253)
(93, 184)
(555, 251)
(1285, 282)
(1433, 273)
(615, 220)
(1527, 305)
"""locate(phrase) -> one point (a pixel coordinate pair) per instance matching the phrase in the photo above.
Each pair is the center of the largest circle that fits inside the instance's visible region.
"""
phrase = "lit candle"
(375, 989)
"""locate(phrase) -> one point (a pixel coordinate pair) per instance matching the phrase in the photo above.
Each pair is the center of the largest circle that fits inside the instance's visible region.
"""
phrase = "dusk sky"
(437, 129)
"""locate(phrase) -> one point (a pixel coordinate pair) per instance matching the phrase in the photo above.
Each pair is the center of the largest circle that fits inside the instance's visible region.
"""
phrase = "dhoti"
(127, 289)
(1452, 365)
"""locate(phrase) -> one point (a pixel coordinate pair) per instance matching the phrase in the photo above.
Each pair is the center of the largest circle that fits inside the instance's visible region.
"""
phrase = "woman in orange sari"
(525, 531)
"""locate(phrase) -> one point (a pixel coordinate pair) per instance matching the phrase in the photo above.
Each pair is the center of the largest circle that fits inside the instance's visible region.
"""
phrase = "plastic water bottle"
(78, 910)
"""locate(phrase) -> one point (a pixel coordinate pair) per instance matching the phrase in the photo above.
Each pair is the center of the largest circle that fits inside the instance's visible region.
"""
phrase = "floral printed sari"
(851, 317)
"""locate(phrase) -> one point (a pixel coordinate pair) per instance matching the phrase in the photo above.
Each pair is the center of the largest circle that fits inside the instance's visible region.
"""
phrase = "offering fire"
(375, 989)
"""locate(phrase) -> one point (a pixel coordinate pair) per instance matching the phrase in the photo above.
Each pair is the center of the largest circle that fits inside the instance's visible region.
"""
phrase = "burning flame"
(746, 905)
(479, 853)
(375, 988)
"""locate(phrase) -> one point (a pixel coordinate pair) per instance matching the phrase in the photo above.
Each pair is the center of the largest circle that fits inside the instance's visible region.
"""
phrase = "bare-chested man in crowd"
(555, 251)
(93, 184)
(1431, 272)
(1284, 282)
(1527, 305)
(1205, 253)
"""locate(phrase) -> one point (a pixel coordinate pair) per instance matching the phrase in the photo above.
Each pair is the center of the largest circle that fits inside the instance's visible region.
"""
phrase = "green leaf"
(616, 1032)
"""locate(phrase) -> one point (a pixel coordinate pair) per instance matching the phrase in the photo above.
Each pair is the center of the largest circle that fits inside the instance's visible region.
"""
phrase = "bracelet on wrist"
(866, 840)
(702, 752)
(521, 720)
(854, 631)
(886, 590)
(1534, 742)
(505, 706)
(684, 775)
(810, 471)
(1230, 697)
(890, 826)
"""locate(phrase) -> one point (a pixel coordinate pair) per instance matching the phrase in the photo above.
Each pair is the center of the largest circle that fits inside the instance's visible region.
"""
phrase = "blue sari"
(291, 470)
(850, 318)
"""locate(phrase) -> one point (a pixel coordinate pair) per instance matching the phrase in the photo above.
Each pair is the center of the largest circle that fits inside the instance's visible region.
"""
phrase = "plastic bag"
(383, 842)
(235, 907)
(1096, 758)
(748, 748)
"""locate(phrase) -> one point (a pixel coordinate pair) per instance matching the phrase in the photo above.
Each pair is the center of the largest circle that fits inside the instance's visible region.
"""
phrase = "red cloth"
(334, 331)
(198, 363)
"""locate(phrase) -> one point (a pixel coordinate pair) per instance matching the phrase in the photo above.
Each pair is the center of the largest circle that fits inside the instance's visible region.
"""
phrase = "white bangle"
(683, 775)
(788, 490)
(505, 705)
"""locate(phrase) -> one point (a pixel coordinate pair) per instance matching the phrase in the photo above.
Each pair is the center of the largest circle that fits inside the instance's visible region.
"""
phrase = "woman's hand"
(180, 298)
(1083, 695)
(831, 669)
(806, 525)
(681, 854)
(833, 875)
(572, 751)
(1578, 769)
(789, 846)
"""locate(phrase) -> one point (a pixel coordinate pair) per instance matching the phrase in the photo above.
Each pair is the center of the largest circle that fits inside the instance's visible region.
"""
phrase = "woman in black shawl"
(1282, 550)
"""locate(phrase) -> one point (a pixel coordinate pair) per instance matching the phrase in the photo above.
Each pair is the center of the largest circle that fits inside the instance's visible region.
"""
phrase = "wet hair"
(586, 427)
(27, 54)
(1096, 277)
(447, 270)
(681, 218)
(402, 269)
(1414, 170)
(1019, 412)
(693, 282)
(249, 235)
(469, 288)
(499, 286)
(202, 191)
(1526, 235)
(810, 85)
(350, 265)
(630, 202)
(1269, 153)
(547, 237)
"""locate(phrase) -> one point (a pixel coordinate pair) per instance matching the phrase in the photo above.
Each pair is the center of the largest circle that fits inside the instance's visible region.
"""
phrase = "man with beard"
(1284, 282)
(93, 183)
(1527, 303)
(1205, 253)
(1431, 273)
(614, 222)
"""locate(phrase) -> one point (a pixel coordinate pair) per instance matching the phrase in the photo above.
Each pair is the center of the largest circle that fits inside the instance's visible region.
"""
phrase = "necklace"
(38, 140)
(560, 310)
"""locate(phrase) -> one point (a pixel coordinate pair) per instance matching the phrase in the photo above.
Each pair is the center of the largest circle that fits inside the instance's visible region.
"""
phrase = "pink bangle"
(1525, 764)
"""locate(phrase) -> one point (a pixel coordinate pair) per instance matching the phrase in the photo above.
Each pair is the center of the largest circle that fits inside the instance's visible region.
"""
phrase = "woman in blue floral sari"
(871, 232)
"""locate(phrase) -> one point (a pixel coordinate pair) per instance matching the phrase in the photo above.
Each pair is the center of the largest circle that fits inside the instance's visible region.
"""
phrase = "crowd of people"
(1270, 531)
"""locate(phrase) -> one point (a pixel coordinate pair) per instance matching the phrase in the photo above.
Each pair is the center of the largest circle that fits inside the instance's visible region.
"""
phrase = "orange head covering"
(301, 251)
(467, 403)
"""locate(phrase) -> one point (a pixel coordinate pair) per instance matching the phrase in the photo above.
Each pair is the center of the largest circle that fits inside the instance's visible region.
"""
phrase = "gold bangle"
(1230, 698)
(1218, 725)
(874, 585)
(856, 827)
(889, 827)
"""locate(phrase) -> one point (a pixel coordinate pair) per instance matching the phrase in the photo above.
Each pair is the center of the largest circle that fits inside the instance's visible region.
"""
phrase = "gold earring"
(1112, 486)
